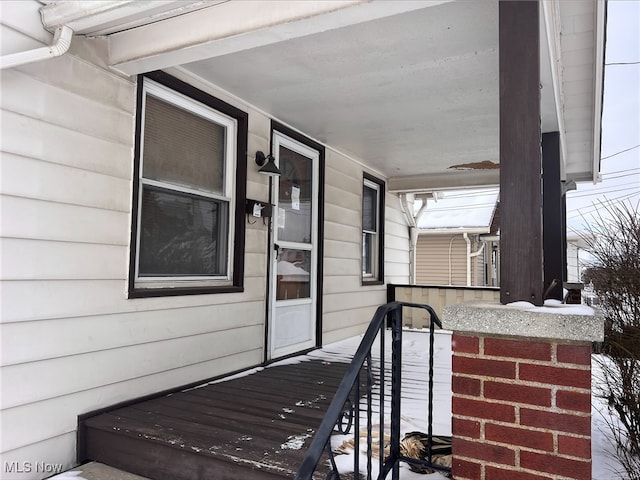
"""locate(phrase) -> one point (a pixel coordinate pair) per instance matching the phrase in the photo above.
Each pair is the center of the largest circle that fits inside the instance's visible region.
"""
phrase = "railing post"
(391, 312)
(396, 390)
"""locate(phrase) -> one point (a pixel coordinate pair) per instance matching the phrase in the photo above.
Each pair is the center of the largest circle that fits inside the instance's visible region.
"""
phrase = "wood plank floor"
(252, 427)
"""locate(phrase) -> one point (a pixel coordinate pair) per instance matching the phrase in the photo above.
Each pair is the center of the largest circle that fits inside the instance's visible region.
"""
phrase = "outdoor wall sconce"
(267, 164)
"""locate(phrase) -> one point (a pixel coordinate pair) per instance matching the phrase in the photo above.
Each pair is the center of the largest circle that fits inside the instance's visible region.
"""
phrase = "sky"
(620, 149)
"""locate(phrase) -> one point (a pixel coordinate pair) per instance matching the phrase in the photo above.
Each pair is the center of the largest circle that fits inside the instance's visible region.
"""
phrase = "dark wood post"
(553, 217)
(521, 252)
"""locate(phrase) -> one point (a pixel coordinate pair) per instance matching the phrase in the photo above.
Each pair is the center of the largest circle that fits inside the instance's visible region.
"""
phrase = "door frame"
(298, 137)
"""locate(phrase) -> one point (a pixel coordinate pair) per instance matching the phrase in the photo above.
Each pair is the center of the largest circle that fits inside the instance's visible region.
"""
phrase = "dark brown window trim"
(240, 190)
(379, 278)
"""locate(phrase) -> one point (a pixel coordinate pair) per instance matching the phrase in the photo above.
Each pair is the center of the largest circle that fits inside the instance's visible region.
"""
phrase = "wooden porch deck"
(254, 426)
(251, 427)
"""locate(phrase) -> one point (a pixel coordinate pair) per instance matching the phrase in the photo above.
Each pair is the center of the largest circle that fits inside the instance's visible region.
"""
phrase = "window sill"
(177, 291)
(374, 281)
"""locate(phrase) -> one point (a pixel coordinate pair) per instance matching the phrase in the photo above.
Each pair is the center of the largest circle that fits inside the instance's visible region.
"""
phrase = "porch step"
(253, 427)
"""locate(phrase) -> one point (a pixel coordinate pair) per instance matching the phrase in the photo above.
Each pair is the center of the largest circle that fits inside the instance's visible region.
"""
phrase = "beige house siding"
(441, 260)
(71, 340)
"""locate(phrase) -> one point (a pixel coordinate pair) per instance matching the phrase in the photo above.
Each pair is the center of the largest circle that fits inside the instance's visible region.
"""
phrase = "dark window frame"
(378, 277)
(238, 192)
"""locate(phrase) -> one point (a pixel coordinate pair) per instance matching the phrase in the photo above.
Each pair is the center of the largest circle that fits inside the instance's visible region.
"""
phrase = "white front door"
(292, 323)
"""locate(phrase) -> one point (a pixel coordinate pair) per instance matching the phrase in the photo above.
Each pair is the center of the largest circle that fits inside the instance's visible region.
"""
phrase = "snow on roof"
(460, 209)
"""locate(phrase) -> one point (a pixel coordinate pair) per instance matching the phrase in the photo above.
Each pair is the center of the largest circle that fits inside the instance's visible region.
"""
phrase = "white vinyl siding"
(396, 242)
(71, 340)
(347, 306)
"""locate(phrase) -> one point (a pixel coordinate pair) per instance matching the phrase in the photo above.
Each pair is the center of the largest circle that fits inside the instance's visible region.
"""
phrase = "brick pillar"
(522, 399)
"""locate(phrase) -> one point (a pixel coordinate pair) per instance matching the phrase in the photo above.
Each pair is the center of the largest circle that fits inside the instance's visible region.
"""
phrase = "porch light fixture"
(267, 164)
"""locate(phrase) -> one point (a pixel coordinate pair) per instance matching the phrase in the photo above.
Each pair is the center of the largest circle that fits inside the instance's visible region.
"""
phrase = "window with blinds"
(184, 226)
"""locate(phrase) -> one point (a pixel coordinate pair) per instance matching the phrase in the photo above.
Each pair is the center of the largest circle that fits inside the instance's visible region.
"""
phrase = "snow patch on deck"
(295, 442)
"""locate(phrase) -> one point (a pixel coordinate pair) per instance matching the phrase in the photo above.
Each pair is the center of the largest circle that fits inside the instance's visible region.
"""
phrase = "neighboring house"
(132, 261)
(458, 240)
(577, 245)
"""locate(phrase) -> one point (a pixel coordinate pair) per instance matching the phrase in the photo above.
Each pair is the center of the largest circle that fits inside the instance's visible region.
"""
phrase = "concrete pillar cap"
(576, 323)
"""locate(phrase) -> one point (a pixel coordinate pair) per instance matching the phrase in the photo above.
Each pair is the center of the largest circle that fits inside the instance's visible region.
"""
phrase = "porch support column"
(521, 252)
(521, 385)
(553, 217)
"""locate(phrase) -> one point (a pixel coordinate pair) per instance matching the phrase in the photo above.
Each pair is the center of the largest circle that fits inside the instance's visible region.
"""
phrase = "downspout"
(466, 239)
(415, 232)
(478, 252)
(60, 45)
(470, 256)
(406, 202)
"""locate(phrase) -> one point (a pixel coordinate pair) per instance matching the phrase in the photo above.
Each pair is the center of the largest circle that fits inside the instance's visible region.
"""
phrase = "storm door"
(292, 323)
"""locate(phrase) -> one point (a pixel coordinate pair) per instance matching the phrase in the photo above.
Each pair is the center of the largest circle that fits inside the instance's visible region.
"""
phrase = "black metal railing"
(346, 409)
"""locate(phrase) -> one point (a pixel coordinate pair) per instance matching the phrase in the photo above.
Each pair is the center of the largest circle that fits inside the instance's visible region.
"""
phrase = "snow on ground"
(605, 463)
(414, 417)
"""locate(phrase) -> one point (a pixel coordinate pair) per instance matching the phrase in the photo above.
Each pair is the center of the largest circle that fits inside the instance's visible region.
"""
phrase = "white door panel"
(292, 323)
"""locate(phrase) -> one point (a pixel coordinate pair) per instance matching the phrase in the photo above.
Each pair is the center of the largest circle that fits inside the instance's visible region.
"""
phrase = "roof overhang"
(409, 88)
(453, 231)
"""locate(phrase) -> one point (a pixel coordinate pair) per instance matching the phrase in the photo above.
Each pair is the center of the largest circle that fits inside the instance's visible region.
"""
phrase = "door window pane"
(182, 235)
(293, 274)
(295, 197)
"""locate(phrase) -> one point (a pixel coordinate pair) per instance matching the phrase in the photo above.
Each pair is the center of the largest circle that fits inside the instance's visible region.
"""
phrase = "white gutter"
(60, 45)
(552, 28)
(455, 231)
(599, 92)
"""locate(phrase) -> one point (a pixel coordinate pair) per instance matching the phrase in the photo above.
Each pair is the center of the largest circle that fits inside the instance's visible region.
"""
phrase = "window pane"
(294, 197)
(293, 279)
(369, 209)
(182, 148)
(368, 240)
(182, 235)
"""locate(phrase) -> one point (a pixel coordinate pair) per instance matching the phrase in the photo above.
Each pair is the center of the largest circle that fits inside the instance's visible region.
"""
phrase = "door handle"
(277, 249)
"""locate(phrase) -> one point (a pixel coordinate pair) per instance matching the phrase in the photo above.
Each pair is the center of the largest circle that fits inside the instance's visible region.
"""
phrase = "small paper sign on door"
(257, 210)
(295, 198)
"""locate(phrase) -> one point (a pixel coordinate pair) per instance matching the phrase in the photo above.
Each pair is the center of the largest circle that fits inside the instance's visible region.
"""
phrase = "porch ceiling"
(408, 88)
(410, 94)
